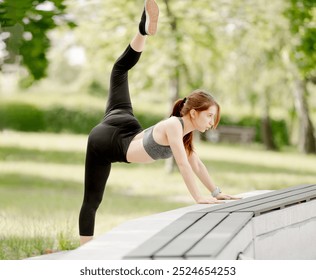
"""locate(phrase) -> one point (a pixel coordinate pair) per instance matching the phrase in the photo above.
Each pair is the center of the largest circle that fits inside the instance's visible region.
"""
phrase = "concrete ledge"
(118, 242)
(287, 233)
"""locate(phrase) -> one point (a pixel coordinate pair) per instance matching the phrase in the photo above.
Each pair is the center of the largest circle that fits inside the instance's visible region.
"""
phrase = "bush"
(61, 119)
(21, 116)
(147, 120)
(25, 117)
(279, 128)
(280, 133)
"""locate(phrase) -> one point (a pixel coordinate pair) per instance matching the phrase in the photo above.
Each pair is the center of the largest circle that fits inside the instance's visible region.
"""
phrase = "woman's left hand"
(223, 196)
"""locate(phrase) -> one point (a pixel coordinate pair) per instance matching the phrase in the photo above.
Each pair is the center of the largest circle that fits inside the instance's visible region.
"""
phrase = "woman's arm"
(202, 173)
(174, 135)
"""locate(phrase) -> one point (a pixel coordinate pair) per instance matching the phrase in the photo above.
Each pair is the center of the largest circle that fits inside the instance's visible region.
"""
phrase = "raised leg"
(119, 96)
(138, 42)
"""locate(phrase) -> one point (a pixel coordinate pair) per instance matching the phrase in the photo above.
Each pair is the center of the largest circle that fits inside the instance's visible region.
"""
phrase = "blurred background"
(257, 58)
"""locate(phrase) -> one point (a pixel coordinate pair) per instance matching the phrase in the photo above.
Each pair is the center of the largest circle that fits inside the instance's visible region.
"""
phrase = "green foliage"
(302, 18)
(25, 117)
(66, 242)
(279, 128)
(27, 24)
(96, 88)
(147, 119)
(21, 116)
(61, 119)
(16, 247)
(280, 133)
(233, 49)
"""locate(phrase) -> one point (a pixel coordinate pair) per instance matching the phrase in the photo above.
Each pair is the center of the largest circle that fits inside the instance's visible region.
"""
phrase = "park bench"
(232, 134)
(225, 231)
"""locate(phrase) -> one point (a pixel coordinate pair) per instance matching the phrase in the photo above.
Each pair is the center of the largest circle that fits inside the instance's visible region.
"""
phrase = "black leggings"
(109, 140)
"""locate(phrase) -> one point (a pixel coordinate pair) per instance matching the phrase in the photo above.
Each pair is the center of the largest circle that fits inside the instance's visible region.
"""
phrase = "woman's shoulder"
(171, 124)
(172, 121)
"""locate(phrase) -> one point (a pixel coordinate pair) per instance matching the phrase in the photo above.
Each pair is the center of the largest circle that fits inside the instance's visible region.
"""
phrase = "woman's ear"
(193, 113)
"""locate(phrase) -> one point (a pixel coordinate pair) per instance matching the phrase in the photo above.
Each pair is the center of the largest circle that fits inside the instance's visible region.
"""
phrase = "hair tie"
(184, 100)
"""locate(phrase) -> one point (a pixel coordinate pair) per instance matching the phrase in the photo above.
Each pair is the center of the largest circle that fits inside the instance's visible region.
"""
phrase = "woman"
(120, 138)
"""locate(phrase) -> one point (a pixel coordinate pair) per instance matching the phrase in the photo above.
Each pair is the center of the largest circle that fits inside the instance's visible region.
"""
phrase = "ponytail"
(177, 107)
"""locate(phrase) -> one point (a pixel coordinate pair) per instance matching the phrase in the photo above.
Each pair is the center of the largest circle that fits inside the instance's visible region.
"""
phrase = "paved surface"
(118, 242)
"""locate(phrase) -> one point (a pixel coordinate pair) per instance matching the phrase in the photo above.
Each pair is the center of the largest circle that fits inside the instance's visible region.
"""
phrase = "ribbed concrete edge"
(118, 242)
(287, 234)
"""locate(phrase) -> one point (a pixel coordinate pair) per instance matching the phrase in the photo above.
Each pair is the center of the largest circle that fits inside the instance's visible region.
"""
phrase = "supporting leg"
(96, 175)
(85, 239)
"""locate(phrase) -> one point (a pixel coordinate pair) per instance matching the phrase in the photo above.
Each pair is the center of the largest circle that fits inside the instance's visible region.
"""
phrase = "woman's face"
(205, 120)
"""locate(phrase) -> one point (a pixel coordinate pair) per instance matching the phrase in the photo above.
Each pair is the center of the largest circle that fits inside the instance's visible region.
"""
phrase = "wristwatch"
(216, 192)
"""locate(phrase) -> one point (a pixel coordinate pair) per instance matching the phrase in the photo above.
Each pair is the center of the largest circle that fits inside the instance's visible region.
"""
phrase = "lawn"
(41, 188)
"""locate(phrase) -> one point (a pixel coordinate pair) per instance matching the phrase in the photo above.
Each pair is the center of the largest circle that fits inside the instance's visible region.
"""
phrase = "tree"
(252, 39)
(231, 48)
(24, 28)
(301, 15)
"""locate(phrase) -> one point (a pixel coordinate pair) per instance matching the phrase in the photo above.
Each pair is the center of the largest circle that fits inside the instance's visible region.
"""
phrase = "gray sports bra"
(155, 150)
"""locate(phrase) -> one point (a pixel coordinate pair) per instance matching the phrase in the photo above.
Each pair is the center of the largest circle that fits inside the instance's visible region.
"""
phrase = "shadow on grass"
(16, 154)
(54, 191)
(21, 154)
(22, 181)
(12, 154)
(118, 203)
(246, 168)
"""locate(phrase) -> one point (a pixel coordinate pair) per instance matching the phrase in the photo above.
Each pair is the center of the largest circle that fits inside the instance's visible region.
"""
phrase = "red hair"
(198, 100)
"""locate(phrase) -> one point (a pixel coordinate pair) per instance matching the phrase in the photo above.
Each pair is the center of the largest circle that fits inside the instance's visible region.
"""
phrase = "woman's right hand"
(208, 200)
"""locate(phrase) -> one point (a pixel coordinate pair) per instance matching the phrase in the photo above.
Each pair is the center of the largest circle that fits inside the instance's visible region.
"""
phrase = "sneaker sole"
(152, 14)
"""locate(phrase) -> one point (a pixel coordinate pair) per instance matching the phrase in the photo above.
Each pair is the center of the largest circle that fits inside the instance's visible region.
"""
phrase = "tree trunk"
(266, 128)
(267, 134)
(306, 142)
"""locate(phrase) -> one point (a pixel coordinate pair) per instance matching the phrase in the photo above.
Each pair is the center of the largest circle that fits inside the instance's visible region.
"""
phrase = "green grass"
(41, 187)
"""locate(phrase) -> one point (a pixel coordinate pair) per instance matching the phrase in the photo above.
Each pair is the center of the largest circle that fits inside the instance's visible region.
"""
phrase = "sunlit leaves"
(24, 27)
